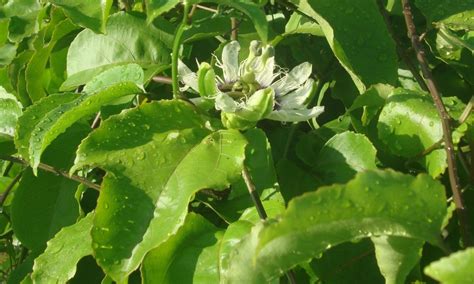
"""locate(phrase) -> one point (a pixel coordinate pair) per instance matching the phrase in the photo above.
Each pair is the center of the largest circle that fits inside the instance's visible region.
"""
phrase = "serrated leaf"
(396, 257)
(90, 14)
(358, 37)
(128, 40)
(344, 155)
(454, 269)
(10, 110)
(59, 119)
(43, 204)
(57, 264)
(166, 135)
(189, 256)
(374, 203)
(408, 125)
(33, 115)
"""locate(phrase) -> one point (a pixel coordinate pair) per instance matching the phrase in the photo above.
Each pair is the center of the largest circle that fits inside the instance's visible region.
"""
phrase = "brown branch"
(163, 80)
(445, 122)
(235, 28)
(53, 170)
(401, 53)
(9, 188)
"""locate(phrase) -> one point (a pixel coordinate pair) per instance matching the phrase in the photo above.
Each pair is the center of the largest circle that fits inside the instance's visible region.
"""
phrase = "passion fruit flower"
(255, 89)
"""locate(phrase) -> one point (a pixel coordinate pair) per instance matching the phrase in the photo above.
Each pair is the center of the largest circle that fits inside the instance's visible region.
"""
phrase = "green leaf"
(35, 71)
(396, 257)
(250, 9)
(58, 262)
(44, 204)
(344, 155)
(32, 117)
(59, 119)
(91, 14)
(358, 37)
(166, 135)
(23, 15)
(454, 269)
(10, 110)
(455, 13)
(128, 40)
(374, 203)
(155, 8)
(189, 256)
(298, 24)
(408, 125)
(124, 73)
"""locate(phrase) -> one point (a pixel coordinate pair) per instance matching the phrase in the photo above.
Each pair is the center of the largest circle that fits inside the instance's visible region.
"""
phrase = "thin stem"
(53, 170)
(96, 121)
(9, 188)
(254, 194)
(401, 53)
(163, 80)
(175, 53)
(235, 28)
(445, 122)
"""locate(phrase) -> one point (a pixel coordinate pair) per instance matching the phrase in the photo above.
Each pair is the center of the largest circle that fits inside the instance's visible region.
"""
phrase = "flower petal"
(294, 79)
(259, 65)
(225, 103)
(298, 98)
(230, 61)
(187, 77)
(295, 115)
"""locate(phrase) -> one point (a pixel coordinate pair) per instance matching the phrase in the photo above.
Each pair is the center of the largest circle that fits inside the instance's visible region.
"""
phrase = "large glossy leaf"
(43, 204)
(33, 115)
(57, 264)
(408, 125)
(190, 256)
(90, 14)
(156, 157)
(358, 37)
(129, 39)
(344, 155)
(396, 257)
(454, 269)
(59, 119)
(373, 203)
(10, 110)
(157, 7)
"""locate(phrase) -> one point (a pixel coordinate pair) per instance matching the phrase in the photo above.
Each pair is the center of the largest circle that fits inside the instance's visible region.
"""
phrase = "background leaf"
(128, 40)
(454, 269)
(57, 264)
(90, 14)
(189, 256)
(358, 37)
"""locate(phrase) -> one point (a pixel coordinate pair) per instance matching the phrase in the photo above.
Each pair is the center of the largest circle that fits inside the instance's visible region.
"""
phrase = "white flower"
(255, 89)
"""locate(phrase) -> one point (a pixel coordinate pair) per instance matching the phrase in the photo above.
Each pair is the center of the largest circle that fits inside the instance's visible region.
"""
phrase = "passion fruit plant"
(236, 141)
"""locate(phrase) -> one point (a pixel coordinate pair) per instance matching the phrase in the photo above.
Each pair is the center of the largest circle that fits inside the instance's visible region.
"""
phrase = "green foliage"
(456, 268)
(119, 163)
(373, 203)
